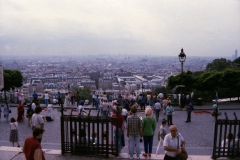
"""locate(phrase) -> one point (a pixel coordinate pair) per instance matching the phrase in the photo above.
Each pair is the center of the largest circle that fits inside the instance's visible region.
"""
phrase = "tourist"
(134, 132)
(13, 132)
(148, 129)
(173, 144)
(32, 148)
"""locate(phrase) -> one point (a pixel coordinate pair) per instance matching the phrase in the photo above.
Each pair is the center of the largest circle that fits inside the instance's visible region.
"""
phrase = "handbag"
(182, 155)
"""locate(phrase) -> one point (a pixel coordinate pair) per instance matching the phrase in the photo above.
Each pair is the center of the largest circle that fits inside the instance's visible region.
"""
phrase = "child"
(13, 132)
(161, 134)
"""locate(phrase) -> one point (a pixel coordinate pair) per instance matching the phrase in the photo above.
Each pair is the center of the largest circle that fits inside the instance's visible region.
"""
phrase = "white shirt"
(13, 126)
(80, 108)
(157, 105)
(160, 95)
(46, 96)
(124, 112)
(33, 106)
(172, 142)
(37, 120)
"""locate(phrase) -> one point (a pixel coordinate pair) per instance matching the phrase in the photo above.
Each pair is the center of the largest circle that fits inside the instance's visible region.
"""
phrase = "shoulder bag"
(182, 155)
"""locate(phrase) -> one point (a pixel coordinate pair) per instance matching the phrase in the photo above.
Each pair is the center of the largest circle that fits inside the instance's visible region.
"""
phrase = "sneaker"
(130, 157)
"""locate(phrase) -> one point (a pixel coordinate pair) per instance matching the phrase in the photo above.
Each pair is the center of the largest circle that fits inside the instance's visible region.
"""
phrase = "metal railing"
(226, 141)
(89, 135)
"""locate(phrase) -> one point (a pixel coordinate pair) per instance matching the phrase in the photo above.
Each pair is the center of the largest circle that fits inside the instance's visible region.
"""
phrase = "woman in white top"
(13, 132)
(46, 98)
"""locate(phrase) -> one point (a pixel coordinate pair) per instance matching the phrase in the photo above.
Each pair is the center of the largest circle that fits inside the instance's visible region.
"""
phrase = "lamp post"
(182, 58)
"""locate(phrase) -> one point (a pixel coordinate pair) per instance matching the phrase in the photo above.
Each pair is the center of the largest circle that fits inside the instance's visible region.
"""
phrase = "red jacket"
(120, 120)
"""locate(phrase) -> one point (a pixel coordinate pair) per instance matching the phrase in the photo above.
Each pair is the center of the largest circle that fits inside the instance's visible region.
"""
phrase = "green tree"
(12, 79)
(236, 62)
(219, 65)
(84, 93)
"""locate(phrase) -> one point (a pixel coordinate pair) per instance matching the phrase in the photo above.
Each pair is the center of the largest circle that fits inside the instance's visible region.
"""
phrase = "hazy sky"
(144, 27)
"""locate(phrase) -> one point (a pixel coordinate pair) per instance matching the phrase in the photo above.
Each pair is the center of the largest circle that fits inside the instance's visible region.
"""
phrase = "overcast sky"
(144, 27)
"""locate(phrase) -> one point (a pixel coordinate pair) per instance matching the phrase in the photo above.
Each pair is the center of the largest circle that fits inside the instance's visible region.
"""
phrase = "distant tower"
(236, 54)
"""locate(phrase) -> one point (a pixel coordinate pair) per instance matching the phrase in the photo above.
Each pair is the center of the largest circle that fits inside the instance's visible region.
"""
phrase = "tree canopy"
(219, 65)
(12, 79)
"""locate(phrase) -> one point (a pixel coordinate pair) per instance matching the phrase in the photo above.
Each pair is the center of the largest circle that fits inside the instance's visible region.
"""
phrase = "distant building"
(236, 54)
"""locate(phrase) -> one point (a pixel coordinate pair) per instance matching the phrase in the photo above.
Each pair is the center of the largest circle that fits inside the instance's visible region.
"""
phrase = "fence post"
(215, 139)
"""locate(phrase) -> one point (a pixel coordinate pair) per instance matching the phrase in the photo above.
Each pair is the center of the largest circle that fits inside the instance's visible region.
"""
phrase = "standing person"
(59, 97)
(32, 148)
(30, 112)
(134, 132)
(16, 97)
(189, 111)
(169, 110)
(97, 102)
(20, 98)
(175, 99)
(157, 108)
(93, 98)
(77, 98)
(183, 100)
(46, 98)
(161, 135)
(37, 120)
(6, 110)
(118, 114)
(164, 105)
(66, 100)
(192, 98)
(20, 112)
(125, 114)
(105, 108)
(173, 144)
(148, 129)
(216, 96)
(13, 132)
(35, 96)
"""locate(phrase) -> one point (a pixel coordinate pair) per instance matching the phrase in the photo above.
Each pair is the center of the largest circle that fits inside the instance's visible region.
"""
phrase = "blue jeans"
(120, 132)
(46, 101)
(134, 139)
(148, 143)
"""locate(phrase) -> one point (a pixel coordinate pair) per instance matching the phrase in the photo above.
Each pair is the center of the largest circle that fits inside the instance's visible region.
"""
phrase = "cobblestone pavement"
(198, 134)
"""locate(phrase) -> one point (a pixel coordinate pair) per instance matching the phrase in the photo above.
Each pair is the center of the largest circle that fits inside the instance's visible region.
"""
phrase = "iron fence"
(226, 141)
(89, 135)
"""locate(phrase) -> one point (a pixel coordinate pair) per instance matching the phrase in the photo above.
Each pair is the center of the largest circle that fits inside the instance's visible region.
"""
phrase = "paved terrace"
(198, 134)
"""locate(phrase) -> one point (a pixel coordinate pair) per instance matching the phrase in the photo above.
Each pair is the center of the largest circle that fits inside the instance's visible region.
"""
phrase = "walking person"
(32, 148)
(148, 128)
(13, 132)
(6, 110)
(157, 107)
(189, 111)
(134, 132)
(20, 112)
(164, 105)
(173, 144)
(30, 112)
(161, 135)
(169, 111)
(37, 120)
(66, 100)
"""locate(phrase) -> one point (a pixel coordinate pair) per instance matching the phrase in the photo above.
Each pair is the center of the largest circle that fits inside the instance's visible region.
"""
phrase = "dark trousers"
(189, 117)
(166, 157)
(148, 143)
(169, 119)
(59, 101)
(157, 111)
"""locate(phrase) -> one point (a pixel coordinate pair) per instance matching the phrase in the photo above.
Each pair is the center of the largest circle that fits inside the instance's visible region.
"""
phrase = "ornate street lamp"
(182, 58)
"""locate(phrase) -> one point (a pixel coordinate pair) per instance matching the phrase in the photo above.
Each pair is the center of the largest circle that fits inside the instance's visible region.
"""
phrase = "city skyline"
(201, 28)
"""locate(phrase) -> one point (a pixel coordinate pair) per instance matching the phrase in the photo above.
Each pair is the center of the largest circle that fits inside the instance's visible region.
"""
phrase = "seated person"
(229, 140)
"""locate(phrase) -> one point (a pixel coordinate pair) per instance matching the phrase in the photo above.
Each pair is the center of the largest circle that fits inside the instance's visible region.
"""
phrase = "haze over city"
(139, 27)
